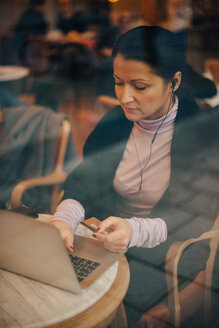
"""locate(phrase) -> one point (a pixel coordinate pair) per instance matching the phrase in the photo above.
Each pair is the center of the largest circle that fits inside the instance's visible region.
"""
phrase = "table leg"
(120, 319)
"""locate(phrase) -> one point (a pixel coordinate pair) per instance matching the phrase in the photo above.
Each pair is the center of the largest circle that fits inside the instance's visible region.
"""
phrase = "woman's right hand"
(66, 233)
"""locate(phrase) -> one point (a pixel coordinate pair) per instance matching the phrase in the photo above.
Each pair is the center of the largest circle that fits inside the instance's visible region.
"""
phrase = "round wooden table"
(9, 73)
(28, 303)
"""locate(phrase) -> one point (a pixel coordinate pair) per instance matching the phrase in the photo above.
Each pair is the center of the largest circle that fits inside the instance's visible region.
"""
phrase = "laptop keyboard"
(83, 267)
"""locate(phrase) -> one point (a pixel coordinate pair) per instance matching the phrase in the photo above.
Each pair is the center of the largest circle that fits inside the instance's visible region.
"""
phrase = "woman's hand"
(66, 233)
(118, 236)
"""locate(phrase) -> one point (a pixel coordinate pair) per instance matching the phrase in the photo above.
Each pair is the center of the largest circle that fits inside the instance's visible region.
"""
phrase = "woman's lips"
(129, 109)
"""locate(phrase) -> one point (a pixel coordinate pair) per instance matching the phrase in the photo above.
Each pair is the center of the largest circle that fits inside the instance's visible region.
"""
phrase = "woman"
(127, 161)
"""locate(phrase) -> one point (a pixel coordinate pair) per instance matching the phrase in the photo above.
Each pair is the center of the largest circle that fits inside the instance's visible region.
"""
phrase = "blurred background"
(66, 46)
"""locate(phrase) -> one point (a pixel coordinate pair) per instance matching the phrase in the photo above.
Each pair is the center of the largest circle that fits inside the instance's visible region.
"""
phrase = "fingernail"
(97, 229)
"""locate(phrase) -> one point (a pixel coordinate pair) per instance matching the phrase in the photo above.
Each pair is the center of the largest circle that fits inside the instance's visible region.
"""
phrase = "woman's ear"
(176, 81)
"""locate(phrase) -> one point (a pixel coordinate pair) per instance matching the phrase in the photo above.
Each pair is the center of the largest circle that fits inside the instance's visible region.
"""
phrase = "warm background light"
(113, 1)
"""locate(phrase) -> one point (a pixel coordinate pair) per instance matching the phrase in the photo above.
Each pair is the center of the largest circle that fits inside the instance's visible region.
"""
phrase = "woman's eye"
(118, 83)
(140, 88)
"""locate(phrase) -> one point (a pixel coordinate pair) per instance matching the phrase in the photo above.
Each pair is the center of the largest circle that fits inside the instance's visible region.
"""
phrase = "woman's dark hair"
(154, 46)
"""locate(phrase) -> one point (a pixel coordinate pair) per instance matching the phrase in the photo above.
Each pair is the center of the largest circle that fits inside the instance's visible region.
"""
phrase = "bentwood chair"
(55, 178)
(105, 103)
(212, 65)
(172, 259)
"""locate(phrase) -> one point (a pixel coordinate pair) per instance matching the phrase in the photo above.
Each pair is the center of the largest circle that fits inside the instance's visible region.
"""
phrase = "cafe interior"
(56, 84)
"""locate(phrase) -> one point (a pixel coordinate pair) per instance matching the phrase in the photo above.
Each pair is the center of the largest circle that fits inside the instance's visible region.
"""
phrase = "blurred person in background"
(31, 23)
(69, 20)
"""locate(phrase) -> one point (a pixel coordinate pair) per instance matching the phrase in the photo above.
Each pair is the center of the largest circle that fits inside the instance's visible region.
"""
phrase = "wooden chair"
(172, 259)
(37, 55)
(55, 178)
(212, 66)
(105, 103)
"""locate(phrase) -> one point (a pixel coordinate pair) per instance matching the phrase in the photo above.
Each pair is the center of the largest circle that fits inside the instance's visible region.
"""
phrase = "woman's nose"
(126, 96)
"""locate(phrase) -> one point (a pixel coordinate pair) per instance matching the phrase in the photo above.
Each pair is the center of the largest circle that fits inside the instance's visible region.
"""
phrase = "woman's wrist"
(147, 232)
(133, 236)
(71, 212)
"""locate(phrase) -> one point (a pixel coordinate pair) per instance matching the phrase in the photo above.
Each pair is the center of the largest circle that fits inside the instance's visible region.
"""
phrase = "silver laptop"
(36, 250)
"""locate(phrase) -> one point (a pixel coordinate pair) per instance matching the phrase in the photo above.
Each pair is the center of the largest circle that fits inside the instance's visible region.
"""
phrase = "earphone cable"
(150, 152)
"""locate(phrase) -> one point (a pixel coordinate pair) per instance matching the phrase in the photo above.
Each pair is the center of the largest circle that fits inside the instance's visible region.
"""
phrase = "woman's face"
(142, 93)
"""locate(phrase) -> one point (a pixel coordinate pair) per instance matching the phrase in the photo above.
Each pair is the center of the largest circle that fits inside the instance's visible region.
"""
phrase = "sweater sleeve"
(147, 232)
(71, 212)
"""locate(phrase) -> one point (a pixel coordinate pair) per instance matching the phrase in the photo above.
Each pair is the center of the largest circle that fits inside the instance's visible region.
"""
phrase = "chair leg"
(208, 280)
(120, 319)
(54, 198)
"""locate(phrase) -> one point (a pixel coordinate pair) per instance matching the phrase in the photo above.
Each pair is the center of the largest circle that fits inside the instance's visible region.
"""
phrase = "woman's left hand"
(115, 232)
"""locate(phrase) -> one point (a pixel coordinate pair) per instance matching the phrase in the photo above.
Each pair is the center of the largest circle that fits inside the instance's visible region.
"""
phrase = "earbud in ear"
(174, 81)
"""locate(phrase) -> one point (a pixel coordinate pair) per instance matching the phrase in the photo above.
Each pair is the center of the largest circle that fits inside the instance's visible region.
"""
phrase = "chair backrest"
(105, 103)
(61, 148)
(212, 65)
(37, 53)
(172, 259)
(55, 178)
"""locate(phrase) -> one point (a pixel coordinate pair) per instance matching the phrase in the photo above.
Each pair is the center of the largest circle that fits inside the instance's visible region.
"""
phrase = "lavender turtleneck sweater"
(140, 153)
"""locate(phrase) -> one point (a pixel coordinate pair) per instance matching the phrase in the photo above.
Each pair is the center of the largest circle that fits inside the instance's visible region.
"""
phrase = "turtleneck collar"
(152, 125)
